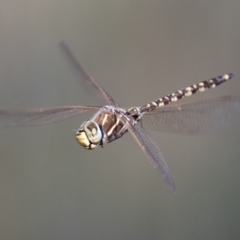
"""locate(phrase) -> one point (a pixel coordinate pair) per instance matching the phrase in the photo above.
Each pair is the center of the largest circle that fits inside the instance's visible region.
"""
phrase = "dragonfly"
(111, 122)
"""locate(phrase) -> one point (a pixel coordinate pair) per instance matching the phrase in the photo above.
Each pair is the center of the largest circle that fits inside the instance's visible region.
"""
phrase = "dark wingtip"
(173, 189)
(170, 183)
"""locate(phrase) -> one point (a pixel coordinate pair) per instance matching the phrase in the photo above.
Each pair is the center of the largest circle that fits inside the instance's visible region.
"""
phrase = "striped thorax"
(105, 126)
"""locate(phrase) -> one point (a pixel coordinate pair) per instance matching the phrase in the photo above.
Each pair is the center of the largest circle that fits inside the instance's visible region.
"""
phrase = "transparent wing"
(40, 116)
(153, 153)
(204, 116)
(86, 78)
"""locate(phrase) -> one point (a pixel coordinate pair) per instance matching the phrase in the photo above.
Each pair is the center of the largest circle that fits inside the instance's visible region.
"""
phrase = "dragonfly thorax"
(89, 135)
(105, 126)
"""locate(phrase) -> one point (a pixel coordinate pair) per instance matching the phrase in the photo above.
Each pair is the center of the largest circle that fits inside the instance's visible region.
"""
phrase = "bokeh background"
(50, 187)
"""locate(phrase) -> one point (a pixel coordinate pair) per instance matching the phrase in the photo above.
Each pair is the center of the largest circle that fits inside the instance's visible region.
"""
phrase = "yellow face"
(89, 135)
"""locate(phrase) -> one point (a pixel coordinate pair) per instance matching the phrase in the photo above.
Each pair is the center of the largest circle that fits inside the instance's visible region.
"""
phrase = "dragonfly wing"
(153, 153)
(204, 116)
(40, 116)
(86, 78)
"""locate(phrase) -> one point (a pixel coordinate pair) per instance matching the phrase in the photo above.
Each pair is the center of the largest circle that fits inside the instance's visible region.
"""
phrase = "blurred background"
(50, 187)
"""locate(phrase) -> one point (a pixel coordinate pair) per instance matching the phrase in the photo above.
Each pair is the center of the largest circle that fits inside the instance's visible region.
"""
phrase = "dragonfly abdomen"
(185, 92)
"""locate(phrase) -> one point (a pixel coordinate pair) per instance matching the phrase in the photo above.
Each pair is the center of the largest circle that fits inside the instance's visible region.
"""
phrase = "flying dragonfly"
(111, 122)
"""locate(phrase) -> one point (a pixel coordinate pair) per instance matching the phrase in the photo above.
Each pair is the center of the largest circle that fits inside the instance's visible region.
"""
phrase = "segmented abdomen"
(188, 91)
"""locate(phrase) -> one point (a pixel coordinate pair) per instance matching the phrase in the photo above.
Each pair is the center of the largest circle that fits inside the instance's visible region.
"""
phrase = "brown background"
(50, 187)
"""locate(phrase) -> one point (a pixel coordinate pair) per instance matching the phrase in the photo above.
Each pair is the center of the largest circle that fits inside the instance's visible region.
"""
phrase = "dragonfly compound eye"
(89, 135)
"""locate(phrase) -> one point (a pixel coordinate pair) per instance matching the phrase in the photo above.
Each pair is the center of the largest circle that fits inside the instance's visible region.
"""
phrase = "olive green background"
(50, 187)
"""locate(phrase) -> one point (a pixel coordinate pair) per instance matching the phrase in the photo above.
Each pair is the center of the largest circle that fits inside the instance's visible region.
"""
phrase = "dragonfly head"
(89, 135)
